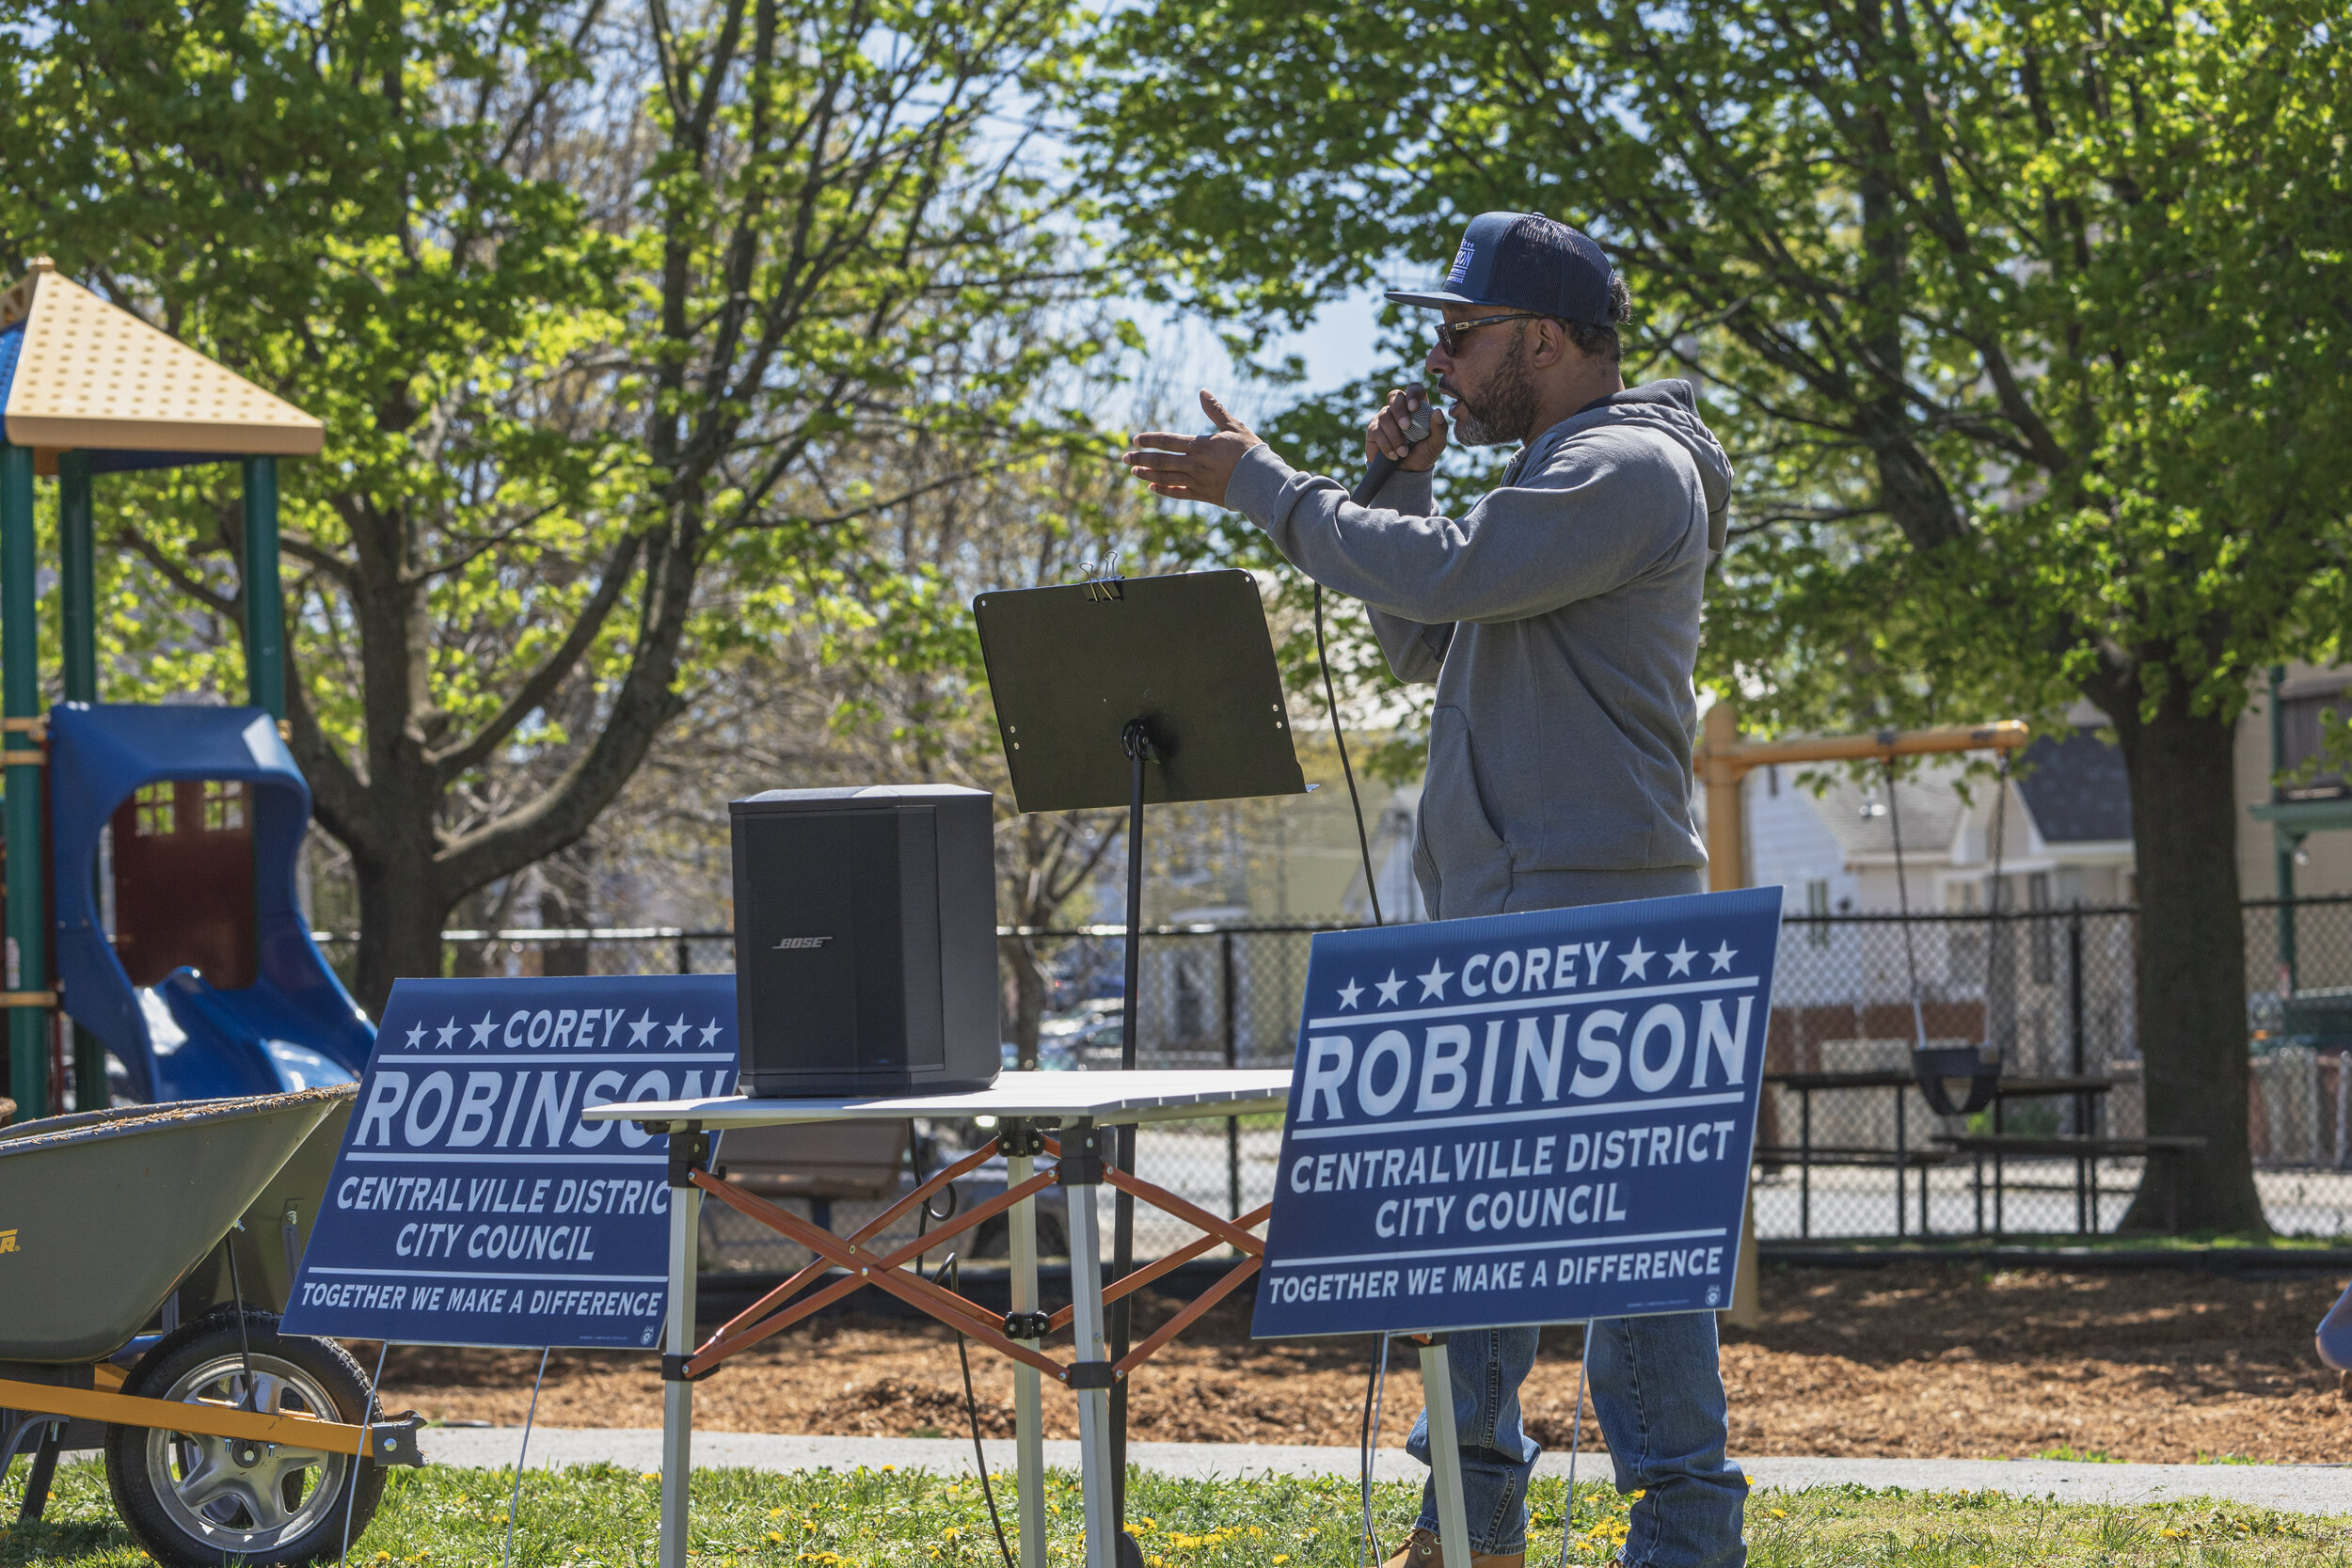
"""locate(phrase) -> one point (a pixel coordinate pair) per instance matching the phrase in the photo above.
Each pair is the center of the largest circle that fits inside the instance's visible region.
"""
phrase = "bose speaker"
(866, 941)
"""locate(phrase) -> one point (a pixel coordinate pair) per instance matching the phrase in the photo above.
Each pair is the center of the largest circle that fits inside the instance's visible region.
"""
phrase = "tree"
(2029, 320)
(882, 678)
(588, 299)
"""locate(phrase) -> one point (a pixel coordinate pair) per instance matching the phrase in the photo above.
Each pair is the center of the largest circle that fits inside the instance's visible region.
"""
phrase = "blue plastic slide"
(182, 1038)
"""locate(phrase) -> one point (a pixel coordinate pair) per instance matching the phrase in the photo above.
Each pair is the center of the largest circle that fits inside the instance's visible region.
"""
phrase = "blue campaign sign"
(471, 1205)
(1521, 1119)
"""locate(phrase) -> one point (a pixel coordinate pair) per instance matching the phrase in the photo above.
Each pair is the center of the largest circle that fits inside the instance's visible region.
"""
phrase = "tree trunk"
(1028, 998)
(400, 928)
(566, 880)
(2191, 969)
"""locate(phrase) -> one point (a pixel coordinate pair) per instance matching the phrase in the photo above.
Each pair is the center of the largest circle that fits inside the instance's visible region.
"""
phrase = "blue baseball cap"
(1525, 262)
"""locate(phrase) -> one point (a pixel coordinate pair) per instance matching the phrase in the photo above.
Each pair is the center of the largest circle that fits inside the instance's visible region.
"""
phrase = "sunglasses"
(1450, 334)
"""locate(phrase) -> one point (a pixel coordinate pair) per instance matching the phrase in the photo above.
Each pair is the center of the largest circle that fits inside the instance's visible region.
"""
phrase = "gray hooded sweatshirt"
(1560, 620)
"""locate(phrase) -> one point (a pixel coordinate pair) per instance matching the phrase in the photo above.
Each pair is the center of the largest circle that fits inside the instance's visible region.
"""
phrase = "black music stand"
(1134, 691)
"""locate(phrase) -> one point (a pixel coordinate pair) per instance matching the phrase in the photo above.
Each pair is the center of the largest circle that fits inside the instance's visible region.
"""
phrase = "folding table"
(1029, 1107)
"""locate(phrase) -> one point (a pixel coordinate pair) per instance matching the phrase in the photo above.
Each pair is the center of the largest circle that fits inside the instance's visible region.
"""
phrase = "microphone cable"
(1331, 701)
(1376, 473)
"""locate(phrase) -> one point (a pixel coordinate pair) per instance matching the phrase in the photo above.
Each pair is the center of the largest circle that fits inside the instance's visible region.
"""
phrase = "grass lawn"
(850, 1519)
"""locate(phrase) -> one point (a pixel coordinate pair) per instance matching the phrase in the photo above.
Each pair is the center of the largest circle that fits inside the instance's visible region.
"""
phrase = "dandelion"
(1780, 1514)
(1281, 1558)
(776, 1536)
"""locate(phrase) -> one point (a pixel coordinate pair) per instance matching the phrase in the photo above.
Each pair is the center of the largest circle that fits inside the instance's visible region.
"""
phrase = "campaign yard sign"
(1521, 1119)
(471, 1205)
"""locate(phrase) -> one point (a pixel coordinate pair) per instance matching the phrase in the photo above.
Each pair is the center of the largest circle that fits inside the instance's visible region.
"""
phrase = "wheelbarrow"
(144, 1254)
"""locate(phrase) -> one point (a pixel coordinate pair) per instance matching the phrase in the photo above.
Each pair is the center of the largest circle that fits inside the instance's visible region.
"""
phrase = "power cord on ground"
(954, 1275)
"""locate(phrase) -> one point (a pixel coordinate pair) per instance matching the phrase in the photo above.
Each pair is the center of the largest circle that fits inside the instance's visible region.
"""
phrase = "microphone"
(1377, 472)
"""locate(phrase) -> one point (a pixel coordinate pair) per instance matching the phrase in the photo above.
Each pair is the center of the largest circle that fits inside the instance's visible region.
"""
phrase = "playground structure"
(1723, 761)
(189, 817)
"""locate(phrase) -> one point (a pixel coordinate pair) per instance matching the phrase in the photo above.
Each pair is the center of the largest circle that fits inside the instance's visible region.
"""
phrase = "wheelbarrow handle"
(388, 1442)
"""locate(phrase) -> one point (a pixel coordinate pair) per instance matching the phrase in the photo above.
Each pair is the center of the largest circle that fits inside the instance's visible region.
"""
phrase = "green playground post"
(77, 586)
(77, 598)
(20, 699)
(264, 612)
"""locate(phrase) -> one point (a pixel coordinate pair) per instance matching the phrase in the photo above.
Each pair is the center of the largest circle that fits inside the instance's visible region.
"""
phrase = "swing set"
(1725, 759)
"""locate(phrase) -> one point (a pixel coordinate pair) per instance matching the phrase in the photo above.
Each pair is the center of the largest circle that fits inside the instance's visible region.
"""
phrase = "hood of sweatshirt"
(1670, 408)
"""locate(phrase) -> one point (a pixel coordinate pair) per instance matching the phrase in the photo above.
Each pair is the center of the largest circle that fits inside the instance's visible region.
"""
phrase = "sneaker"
(1421, 1550)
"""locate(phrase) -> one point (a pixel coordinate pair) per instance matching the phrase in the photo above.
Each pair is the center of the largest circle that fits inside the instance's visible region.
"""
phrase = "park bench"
(2085, 1149)
(1906, 1156)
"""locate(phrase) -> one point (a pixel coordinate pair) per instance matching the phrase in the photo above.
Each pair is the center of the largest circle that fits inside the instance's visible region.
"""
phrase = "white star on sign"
(678, 1030)
(482, 1030)
(1349, 992)
(710, 1032)
(1723, 956)
(1679, 961)
(1433, 983)
(1636, 960)
(415, 1034)
(1388, 988)
(446, 1033)
(643, 1027)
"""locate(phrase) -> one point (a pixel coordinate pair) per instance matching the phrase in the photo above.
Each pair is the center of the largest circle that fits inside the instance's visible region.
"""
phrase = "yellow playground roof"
(77, 374)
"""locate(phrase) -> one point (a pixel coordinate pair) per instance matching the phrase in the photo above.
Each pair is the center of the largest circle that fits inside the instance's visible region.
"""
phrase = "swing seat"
(1937, 1066)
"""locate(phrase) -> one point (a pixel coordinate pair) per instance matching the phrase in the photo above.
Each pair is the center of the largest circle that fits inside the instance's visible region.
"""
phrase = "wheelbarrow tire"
(191, 1502)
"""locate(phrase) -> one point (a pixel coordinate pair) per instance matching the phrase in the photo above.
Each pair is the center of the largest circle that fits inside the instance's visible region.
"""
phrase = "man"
(1560, 620)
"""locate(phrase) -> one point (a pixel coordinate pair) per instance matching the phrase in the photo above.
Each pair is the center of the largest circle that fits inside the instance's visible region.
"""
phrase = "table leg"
(1028, 1414)
(1445, 1450)
(678, 1398)
(1094, 1405)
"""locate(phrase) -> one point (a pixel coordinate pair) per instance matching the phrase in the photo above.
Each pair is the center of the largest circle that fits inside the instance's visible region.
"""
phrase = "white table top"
(1109, 1096)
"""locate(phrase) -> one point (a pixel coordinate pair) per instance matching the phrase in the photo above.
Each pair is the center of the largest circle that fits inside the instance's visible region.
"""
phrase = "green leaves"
(2027, 323)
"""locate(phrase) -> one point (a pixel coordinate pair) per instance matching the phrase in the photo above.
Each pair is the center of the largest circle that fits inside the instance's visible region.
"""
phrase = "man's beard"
(1504, 412)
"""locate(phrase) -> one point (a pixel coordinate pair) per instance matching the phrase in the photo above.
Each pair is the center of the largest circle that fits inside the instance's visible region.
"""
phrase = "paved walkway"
(2305, 1489)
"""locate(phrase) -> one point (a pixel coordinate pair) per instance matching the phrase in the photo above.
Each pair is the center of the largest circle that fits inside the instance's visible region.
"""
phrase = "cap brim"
(1435, 301)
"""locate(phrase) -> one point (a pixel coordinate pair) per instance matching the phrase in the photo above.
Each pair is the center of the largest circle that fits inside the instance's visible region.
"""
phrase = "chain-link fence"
(1847, 1146)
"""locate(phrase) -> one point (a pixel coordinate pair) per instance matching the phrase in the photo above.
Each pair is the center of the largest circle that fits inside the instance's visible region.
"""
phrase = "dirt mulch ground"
(1921, 1360)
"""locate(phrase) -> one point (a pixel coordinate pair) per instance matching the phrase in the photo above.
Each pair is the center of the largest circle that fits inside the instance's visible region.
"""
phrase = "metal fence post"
(1232, 1059)
(685, 955)
(1898, 1161)
(1804, 1164)
(2086, 1220)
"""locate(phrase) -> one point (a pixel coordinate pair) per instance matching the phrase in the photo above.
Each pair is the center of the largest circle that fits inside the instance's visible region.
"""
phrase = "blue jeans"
(1659, 1392)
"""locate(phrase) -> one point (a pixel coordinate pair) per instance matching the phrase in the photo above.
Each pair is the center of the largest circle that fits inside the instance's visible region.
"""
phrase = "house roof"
(77, 374)
(2077, 789)
(1925, 804)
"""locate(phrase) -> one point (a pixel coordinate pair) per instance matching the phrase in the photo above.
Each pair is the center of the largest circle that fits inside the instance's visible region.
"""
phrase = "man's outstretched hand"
(1192, 467)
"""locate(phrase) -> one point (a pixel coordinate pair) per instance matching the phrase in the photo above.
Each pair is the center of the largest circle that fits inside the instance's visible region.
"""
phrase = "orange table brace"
(862, 1266)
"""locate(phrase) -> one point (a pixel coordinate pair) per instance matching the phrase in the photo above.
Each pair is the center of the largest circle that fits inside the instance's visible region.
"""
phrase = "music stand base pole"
(1028, 1424)
(1445, 1452)
(678, 1398)
(1138, 741)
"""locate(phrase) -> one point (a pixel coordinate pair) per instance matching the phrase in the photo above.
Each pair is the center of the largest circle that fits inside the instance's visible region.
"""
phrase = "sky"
(1338, 346)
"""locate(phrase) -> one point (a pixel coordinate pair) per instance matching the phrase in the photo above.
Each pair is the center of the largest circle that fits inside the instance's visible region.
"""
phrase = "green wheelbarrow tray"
(102, 1215)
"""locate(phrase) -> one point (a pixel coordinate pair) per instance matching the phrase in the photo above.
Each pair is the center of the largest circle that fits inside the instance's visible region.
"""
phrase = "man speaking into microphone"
(1559, 617)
